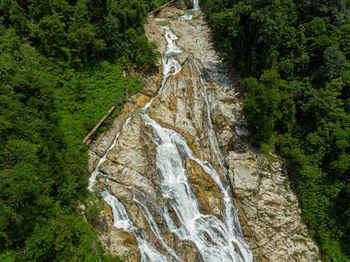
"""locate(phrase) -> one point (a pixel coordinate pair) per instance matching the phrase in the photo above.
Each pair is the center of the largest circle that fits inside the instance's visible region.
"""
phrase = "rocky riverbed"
(259, 186)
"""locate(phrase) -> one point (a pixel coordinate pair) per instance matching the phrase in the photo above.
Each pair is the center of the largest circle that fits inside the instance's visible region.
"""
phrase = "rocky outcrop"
(267, 206)
(271, 207)
(131, 162)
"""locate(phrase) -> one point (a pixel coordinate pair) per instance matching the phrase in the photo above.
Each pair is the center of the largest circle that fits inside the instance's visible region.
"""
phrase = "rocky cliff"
(131, 170)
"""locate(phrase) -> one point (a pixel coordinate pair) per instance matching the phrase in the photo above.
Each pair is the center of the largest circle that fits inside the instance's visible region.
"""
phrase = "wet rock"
(170, 12)
(267, 207)
(129, 177)
(183, 4)
(93, 160)
(116, 242)
(271, 207)
(207, 191)
(128, 151)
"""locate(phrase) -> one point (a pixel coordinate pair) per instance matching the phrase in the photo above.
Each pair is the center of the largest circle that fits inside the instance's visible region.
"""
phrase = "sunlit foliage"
(61, 69)
(296, 57)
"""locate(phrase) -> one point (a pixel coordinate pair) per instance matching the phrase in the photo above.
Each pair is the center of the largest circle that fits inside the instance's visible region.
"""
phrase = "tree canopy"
(61, 69)
(296, 59)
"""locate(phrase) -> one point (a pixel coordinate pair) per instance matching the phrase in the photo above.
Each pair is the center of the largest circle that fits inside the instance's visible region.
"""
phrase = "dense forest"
(295, 56)
(61, 69)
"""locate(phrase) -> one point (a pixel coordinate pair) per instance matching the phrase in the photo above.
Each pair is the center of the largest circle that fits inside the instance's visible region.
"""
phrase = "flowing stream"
(225, 236)
(195, 5)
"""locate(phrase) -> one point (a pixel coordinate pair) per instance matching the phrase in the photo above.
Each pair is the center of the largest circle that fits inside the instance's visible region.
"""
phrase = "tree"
(264, 105)
(303, 111)
(334, 61)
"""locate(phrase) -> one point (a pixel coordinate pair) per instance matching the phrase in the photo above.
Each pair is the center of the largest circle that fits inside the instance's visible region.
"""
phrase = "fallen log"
(99, 123)
(126, 93)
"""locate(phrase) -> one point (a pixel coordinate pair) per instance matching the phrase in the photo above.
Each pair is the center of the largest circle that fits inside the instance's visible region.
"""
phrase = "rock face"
(271, 207)
(268, 209)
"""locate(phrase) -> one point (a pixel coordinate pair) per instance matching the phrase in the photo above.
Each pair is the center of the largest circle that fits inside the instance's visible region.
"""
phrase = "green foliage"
(152, 4)
(61, 67)
(81, 31)
(295, 55)
(59, 238)
(190, 11)
(268, 106)
(334, 61)
(93, 207)
(8, 256)
(84, 97)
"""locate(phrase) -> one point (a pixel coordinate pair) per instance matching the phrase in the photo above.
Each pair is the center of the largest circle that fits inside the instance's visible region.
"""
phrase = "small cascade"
(196, 5)
(186, 17)
(171, 149)
(216, 240)
(121, 219)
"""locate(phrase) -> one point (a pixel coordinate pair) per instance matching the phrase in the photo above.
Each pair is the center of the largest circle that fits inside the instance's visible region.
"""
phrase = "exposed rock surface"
(271, 207)
(268, 208)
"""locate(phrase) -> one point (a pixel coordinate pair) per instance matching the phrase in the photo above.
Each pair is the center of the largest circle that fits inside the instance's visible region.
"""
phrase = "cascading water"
(225, 236)
(171, 149)
(196, 5)
(186, 17)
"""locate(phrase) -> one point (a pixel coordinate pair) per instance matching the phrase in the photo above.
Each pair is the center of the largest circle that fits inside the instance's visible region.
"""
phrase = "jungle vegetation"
(295, 56)
(61, 69)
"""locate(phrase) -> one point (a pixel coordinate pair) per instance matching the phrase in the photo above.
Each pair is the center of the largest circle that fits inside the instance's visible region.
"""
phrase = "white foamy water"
(186, 17)
(196, 5)
(203, 230)
(216, 240)
(121, 220)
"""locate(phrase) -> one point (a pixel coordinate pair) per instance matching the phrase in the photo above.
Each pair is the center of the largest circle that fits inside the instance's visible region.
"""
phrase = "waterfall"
(171, 149)
(216, 240)
(196, 5)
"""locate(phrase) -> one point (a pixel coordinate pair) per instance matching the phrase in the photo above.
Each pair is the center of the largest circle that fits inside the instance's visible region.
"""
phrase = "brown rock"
(207, 191)
(268, 209)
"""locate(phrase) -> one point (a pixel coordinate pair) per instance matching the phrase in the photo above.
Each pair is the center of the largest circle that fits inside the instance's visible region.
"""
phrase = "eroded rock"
(268, 209)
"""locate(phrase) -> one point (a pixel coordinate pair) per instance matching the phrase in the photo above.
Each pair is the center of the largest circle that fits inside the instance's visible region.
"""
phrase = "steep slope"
(182, 159)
